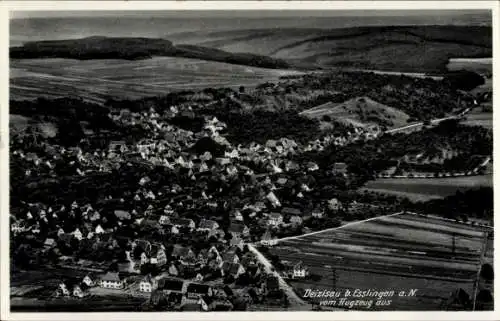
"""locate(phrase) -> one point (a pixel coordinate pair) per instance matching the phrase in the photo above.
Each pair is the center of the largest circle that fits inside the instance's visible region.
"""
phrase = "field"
(482, 66)
(33, 291)
(421, 189)
(400, 252)
(411, 49)
(18, 123)
(100, 79)
(360, 112)
(477, 117)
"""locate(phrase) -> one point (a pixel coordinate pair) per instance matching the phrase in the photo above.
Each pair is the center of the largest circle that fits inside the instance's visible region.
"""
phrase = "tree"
(487, 272)
(463, 80)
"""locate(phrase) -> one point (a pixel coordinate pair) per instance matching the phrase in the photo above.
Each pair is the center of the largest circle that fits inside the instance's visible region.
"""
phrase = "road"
(338, 227)
(292, 296)
(433, 121)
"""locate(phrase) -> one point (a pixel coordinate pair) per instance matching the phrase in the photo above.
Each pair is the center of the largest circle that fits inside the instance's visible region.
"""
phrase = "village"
(170, 244)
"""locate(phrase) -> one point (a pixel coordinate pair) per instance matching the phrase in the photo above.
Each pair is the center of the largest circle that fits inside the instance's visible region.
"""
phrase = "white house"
(148, 284)
(299, 271)
(112, 280)
(275, 219)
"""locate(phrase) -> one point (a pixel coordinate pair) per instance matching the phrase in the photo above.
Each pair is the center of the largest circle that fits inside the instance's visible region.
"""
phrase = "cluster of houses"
(174, 293)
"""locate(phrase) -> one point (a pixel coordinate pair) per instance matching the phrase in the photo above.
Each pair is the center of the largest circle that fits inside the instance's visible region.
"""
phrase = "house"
(311, 166)
(238, 216)
(144, 245)
(207, 225)
(173, 270)
(99, 229)
(339, 168)
(281, 181)
(230, 257)
(77, 234)
(237, 242)
(334, 204)
(49, 243)
(271, 197)
(78, 291)
(168, 285)
(112, 280)
(299, 271)
(182, 252)
(90, 280)
(290, 211)
(158, 256)
(197, 290)
(296, 220)
(148, 284)
(220, 305)
(318, 213)
(275, 219)
(238, 229)
(272, 284)
(268, 240)
(144, 258)
(63, 289)
(233, 269)
(18, 227)
(122, 215)
(118, 147)
(164, 220)
(182, 222)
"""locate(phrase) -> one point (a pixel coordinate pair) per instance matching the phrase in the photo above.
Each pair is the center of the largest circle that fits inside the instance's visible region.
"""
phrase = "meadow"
(477, 117)
(422, 189)
(98, 80)
(391, 253)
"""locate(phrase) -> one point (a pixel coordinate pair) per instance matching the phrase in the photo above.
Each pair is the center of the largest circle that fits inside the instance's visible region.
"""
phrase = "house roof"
(122, 215)
(207, 224)
(148, 278)
(236, 228)
(290, 211)
(111, 276)
(267, 236)
(275, 215)
(180, 250)
(231, 268)
(180, 221)
(272, 283)
(170, 285)
(228, 256)
(339, 166)
(198, 288)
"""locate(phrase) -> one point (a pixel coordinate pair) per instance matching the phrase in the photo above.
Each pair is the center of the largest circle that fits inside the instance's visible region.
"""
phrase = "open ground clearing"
(360, 112)
(400, 252)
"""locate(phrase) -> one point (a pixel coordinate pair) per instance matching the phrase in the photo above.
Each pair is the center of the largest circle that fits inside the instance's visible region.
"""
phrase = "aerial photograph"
(298, 160)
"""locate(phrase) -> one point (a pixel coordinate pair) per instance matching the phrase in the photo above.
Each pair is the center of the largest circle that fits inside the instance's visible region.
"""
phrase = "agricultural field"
(32, 290)
(482, 66)
(97, 80)
(399, 252)
(18, 123)
(422, 189)
(477, 117)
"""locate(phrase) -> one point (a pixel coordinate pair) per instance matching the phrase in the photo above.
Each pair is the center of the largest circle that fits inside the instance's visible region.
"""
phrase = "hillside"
(395, 48)
(98, 47)
(359, 112)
